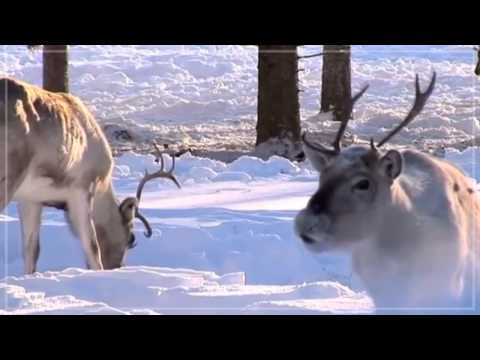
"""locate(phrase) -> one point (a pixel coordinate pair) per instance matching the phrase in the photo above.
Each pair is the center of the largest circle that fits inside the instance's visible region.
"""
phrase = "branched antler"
(419, 103)
(346, 114)
(158, 174)
(318, 147)
(346, 111)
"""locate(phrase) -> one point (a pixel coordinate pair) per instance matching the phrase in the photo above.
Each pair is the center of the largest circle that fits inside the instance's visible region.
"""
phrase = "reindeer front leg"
(80, 208)
(30, 218)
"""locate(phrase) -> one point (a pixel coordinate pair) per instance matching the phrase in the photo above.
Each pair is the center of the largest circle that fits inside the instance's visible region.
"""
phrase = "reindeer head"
(355, 184)
(117, 240)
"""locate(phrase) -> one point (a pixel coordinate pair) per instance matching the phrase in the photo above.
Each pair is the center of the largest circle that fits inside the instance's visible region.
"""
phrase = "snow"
(153, 291)
(466, 160)
(224, 243)
(204, 97)
(217, 247)
(236, 233)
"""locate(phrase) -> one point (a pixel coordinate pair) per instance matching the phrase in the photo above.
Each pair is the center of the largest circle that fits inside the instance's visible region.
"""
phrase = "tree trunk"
(477, 68)
(336, 77)
(55, 68)
(278, 105)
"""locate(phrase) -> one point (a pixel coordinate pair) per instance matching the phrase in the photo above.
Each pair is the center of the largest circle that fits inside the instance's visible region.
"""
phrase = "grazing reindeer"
(477, 68)
(409, 219)
(53, 153)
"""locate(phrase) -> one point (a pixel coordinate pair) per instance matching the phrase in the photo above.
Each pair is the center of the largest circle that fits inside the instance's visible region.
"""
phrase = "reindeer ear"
(128, 208)
(391, 164)
(318, 159)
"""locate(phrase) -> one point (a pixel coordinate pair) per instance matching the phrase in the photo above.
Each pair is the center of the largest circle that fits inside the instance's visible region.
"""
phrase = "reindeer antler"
(419, 103)
(347, 108)
(318, 147)
(345, 113)
(158, 174)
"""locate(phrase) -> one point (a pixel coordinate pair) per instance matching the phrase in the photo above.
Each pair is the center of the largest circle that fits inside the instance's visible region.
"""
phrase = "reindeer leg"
(5, 193)
(10, 180)
(80, 208)
(13, 169)
(30, 218)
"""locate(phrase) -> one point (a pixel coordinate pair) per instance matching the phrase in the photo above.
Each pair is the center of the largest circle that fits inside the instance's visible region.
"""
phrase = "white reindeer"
(409, 219)
(53, 153)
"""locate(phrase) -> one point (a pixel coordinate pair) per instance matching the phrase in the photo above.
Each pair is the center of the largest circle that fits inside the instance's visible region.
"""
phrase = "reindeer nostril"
(307, 239)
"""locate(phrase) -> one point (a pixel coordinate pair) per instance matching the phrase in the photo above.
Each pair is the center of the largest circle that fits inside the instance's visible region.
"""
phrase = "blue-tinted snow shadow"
(260, 243)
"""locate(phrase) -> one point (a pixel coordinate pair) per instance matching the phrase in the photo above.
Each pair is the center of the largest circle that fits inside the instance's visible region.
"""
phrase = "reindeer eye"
(131, 242)
(362, 185)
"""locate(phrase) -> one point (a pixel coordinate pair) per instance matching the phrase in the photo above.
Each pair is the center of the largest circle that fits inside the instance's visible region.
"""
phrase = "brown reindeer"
(53, 153)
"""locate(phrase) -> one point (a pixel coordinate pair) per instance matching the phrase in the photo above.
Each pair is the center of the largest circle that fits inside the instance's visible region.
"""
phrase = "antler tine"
(158, 174)
(147, 177)
(173, 165)
(317, 147)
(419, 103)
(141, 184)
(145, 222)
(347, 113)
(159, 156)
(162, 163)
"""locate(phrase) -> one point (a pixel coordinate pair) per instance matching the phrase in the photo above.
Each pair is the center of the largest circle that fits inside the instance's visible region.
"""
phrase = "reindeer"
(55, 154)
(477, 68)
(409, 219)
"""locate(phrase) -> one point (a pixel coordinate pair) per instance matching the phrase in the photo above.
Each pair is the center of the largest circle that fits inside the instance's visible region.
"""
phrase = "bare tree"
(477, 68)
(55, 67)
(336, 78)
(278, 104)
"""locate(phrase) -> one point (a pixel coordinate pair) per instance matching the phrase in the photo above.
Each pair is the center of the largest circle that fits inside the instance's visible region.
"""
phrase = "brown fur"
(59, 122)
(54, 137)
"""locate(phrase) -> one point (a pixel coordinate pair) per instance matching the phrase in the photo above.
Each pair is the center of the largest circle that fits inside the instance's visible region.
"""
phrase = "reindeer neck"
(399, 200)
(399, 223)
(104, 204)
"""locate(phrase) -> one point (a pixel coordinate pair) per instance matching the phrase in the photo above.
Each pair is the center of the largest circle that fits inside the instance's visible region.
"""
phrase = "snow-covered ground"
(224, 243)
(231, 219)
(231, 223)
(204, 97)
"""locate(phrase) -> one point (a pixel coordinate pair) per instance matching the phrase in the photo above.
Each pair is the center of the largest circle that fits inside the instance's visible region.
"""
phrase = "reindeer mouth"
(315, 231)
(317, 245)
(307, 239)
